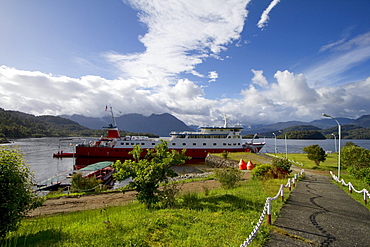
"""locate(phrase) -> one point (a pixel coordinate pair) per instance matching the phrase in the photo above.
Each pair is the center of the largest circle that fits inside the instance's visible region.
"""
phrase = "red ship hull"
(102, 152)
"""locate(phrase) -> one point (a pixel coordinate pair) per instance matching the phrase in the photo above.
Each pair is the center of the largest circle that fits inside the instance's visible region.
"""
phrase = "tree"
(16, 194)
(149, 172)
(315, 153)
(356, 160)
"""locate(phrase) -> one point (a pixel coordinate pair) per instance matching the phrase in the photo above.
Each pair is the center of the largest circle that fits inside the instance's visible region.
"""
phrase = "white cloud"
(265, 15)
(181, 34)
(258, 78)
(289, 98)
(347, 55)
(213, 76)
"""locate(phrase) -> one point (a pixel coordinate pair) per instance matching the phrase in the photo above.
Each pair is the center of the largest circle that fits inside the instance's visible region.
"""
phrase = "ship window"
(194, 144)
(229, 137)
(214, 144)
(153, 144)
(184, 144)
(173, 144)
(204, 144)
(127, 143)
(234, 144)
(224, 144)
(142, 144)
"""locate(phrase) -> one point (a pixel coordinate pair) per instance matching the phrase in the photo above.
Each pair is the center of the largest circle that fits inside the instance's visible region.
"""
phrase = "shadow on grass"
(41, 238)
(224, 202)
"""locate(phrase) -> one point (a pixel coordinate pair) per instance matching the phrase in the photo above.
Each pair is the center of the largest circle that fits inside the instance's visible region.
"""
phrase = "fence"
(351, 188)
(267, 209)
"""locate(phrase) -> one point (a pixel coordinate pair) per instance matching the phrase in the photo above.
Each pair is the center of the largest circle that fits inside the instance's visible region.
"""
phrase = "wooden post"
(269, 212)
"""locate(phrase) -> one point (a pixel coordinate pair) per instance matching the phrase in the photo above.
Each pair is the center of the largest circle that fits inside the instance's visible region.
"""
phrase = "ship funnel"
(113, 133)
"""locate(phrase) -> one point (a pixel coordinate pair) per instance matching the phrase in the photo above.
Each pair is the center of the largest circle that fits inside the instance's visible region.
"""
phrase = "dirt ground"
(78, 203)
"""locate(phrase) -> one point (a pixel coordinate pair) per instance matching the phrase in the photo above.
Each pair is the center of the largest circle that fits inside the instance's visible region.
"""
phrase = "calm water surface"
(38, 152)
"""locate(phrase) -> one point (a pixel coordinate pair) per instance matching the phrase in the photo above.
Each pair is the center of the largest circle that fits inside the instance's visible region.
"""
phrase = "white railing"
(351, 188)
(267, 209)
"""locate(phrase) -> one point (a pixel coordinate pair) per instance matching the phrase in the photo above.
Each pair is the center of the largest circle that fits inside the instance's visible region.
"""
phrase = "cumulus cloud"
(289, 97)
(265, 15)
(258, 78)
(212, 76)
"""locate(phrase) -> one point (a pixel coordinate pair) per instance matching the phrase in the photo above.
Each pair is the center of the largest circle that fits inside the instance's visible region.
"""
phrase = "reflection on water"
(38, 153)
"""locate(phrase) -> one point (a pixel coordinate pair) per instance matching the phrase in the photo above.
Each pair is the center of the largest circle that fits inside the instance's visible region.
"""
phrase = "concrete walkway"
(319, 213)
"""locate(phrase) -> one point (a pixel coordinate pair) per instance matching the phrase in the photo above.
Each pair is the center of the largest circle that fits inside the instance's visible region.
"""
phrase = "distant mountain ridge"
(15, 124)
(158, 124)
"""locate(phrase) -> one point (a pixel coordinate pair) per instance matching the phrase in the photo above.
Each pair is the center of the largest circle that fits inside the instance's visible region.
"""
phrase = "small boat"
(61, 154)
(197, 144)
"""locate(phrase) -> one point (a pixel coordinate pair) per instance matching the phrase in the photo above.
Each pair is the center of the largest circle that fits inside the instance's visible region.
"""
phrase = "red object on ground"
(250, 165)
(242, 165)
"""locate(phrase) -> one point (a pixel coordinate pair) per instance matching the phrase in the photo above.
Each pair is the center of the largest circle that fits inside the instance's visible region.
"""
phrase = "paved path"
(319, 213)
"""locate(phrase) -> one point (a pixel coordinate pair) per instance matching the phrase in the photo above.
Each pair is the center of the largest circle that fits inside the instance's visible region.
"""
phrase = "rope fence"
(267, 209)
(351, 188)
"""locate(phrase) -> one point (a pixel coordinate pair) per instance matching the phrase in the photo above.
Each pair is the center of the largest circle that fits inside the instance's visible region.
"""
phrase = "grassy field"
(213, 218)
(331, 164)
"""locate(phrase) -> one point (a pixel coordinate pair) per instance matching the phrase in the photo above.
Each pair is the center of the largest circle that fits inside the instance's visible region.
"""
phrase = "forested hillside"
(14, 124)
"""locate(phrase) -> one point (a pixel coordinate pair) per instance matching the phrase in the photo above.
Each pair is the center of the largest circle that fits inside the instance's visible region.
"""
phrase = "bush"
(262, 171)
(80, 183)
(267, 171)
(16, 194)
(229, 177)
(283, 163)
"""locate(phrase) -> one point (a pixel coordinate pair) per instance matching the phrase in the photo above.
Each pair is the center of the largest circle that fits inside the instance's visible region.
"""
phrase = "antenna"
(111, 111)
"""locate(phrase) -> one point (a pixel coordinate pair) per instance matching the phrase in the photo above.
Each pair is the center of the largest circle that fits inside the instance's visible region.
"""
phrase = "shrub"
(267, 171)
(229, 177)
(262, 171)
(80, 183)
(283, 163)
(16, 194)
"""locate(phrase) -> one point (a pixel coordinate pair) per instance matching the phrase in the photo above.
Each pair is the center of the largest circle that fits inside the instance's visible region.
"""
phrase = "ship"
(207, 140)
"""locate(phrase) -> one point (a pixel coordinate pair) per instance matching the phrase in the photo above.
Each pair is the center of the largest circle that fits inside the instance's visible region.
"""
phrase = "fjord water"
(38, 152)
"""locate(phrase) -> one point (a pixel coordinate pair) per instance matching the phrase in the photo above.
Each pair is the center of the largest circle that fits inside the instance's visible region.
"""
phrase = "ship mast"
(113, 119)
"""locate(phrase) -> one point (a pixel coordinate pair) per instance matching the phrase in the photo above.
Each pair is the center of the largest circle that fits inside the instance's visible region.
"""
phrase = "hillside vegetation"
(14, 124)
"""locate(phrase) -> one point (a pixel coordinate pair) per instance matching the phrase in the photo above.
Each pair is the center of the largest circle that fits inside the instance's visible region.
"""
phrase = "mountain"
(328, 123)
(15, 124)
(363, 121)
(159, 124)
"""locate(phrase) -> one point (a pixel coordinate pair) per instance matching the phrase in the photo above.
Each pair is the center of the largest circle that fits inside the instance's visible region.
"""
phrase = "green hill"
(14, 124)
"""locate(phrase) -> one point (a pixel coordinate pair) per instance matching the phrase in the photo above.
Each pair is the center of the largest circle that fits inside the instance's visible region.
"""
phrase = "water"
(38, 152)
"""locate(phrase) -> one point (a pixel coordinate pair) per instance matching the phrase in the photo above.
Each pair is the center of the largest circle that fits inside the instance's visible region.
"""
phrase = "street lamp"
(339, 137)
(286, 145)
(275, 142)
(335, 142)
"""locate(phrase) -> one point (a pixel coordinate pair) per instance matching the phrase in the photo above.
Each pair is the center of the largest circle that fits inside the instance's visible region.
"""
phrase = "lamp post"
(286, 145)
(335, 142)
(275, 142)
(339, 137)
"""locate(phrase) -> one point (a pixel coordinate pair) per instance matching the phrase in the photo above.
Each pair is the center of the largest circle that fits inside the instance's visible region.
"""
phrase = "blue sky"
(258, 62)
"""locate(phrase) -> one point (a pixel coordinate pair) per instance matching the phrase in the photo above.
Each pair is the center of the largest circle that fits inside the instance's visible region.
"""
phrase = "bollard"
(289, 185)
(269, 212)
(282, 193)
(365, 197)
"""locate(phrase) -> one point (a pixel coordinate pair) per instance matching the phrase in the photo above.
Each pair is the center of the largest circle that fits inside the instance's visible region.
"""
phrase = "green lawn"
(217, 218)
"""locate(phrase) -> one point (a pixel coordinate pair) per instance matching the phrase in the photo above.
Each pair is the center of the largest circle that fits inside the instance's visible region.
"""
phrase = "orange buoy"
(242, 165)
(250, 165)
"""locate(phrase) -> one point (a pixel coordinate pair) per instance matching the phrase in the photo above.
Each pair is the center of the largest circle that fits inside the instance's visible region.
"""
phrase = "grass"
(331, 164)
(246, 156)
(214, 218)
